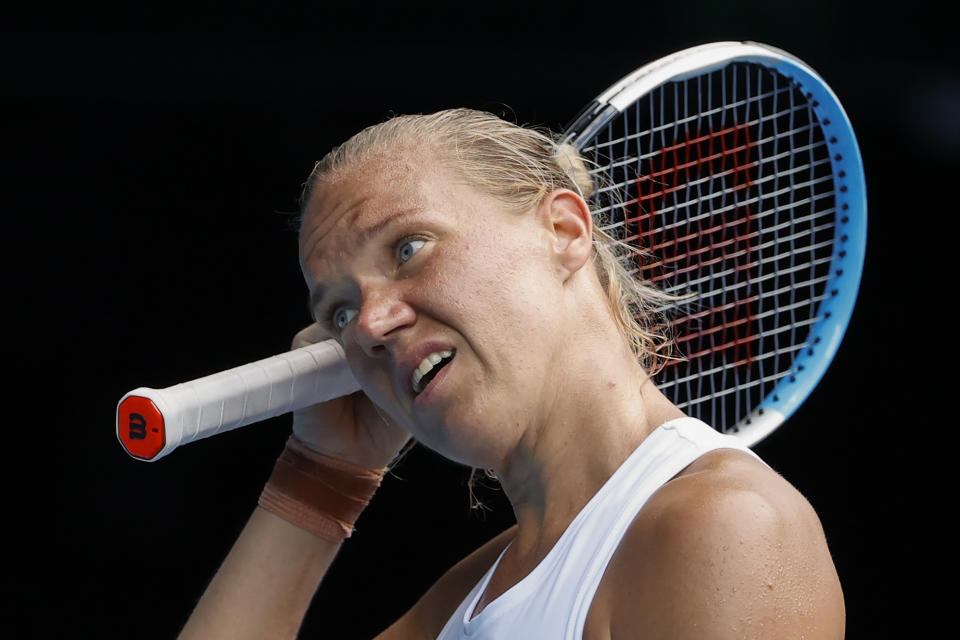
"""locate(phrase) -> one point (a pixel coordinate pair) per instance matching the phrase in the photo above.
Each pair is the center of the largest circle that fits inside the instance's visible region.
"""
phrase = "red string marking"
(689, 174)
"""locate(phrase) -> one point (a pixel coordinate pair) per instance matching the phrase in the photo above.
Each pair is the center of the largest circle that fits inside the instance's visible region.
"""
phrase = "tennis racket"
(735, 169)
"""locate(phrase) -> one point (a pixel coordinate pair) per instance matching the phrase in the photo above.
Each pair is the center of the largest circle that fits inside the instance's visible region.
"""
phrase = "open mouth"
(429, 368)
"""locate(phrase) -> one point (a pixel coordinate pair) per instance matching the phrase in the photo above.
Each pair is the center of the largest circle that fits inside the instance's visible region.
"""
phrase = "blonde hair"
(519, 166)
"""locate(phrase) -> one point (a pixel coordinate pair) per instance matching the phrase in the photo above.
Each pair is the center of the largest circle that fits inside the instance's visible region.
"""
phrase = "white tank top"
(553, 600)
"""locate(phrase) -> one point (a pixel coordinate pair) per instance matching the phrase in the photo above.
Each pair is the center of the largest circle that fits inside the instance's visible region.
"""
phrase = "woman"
(454, 257)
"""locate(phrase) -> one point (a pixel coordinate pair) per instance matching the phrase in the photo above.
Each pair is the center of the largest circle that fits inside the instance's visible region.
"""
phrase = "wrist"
(317, 492)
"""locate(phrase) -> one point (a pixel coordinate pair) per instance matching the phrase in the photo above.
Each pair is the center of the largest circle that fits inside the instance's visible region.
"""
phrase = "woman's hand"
(350, 428)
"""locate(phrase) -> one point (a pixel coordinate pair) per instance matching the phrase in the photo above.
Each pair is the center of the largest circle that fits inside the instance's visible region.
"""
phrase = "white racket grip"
(153, 422)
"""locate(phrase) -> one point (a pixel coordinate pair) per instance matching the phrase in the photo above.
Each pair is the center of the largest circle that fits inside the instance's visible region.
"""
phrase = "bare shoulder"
(427, 617)
(728, 548)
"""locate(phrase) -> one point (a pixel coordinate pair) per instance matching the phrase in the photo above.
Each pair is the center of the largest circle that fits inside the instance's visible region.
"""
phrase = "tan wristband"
(316, 492)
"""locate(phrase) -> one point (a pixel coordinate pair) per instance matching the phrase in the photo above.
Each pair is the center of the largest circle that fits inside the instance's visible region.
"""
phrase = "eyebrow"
(365, 233)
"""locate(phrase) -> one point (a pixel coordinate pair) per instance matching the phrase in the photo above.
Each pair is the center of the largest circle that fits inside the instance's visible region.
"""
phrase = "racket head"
(735, 167)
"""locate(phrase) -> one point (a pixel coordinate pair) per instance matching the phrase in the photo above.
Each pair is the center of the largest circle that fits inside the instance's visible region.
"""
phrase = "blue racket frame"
(835, 311)
(849, 250)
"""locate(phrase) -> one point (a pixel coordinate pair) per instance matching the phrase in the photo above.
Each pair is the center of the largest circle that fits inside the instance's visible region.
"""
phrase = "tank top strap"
(667, 451)
(553, 600)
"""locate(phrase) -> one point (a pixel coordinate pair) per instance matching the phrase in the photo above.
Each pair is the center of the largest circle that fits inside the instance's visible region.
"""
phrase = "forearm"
(265, 584)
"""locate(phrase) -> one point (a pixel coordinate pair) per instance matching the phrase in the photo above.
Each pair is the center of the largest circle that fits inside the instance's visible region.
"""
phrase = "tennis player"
(454, 257)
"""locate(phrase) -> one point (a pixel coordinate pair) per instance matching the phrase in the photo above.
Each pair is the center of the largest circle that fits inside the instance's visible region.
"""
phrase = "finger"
(309, 335)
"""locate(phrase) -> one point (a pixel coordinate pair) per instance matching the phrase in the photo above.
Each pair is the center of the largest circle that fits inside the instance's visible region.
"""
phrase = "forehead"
(355, 201)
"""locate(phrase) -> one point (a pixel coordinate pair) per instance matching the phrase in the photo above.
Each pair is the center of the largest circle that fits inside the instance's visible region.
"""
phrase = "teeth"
(426, 365)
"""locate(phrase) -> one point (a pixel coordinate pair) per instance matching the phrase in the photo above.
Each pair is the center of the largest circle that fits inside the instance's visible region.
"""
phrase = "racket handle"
(153, 422)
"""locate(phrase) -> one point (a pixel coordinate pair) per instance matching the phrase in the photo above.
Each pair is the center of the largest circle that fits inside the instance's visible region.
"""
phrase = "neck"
(595, 418)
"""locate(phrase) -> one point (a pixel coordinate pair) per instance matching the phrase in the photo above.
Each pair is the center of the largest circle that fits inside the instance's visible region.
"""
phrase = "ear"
(569, 224)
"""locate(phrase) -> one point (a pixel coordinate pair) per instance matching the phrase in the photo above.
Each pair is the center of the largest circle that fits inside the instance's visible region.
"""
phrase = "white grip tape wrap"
(250, 393)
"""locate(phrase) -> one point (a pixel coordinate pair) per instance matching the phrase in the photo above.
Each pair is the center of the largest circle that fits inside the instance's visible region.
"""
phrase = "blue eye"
(409, 248)
(342, 317)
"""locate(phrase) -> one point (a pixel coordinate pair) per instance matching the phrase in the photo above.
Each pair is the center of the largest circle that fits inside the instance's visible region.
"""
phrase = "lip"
(412, 359)
(426, 395)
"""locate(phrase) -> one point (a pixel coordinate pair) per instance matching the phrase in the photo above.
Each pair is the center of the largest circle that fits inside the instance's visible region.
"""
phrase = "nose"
(383, 313)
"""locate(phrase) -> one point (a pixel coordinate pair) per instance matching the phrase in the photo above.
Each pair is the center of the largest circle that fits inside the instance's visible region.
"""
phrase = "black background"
(153, 156)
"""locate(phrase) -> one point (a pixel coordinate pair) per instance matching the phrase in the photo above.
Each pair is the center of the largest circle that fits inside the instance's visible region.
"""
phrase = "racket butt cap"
(140, 427)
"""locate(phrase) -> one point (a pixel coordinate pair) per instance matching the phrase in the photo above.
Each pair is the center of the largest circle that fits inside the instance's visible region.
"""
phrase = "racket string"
(723, 182)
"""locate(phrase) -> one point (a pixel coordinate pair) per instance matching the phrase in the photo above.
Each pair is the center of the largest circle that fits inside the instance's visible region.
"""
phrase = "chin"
(461, 443)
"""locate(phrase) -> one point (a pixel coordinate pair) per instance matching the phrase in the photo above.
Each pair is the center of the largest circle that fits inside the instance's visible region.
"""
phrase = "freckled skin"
(726, 549)
(540, 369)
(460, 287)
(544, 390)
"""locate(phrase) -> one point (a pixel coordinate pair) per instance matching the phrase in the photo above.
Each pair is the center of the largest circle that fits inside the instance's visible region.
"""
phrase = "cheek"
(466, 292)
(482, 268)
(376, 381)
(502, 302)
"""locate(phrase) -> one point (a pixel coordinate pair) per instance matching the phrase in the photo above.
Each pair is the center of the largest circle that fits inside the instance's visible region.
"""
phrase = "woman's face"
(445, 301)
